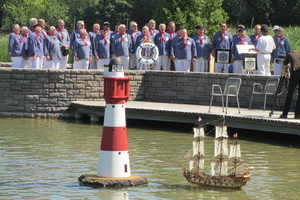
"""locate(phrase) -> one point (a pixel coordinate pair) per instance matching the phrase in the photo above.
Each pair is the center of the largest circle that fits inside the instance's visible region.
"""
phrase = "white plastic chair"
(232, 89)
(269, 89)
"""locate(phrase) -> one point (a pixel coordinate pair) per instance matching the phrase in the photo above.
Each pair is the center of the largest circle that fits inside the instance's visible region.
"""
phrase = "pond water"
(42, 159)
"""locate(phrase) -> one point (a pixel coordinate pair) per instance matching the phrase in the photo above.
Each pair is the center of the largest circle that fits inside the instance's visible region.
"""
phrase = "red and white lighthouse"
(114, 165)
(114, 157)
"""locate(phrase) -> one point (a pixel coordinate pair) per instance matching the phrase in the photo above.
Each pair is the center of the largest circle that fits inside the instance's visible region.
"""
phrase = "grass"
(291, 32)
(4, 49)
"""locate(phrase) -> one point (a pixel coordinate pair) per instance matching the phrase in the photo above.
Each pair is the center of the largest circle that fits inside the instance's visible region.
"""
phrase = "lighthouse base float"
(94, 180)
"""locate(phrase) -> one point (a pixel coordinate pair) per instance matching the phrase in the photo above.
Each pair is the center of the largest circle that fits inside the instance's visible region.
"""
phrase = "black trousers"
(293, 82)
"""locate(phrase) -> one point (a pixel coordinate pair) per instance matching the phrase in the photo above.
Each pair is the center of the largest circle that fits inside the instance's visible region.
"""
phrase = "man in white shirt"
(264, 48)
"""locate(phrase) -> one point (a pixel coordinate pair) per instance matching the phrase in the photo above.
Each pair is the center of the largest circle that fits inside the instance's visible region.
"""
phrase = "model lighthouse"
(114, 158)
(114, 165)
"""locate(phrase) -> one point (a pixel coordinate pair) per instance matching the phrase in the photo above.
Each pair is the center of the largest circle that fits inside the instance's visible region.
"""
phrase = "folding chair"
(232, 89)
(269, 89)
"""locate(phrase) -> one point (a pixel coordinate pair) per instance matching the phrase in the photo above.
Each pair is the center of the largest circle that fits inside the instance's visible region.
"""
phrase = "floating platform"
(254, 119)
(94, 180)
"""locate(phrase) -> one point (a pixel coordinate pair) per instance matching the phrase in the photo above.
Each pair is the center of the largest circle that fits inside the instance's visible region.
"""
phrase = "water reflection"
(42, 159)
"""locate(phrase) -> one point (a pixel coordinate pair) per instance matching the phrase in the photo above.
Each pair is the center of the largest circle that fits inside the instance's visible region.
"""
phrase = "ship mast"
(197, 159)
(221, 152)
(235, 153)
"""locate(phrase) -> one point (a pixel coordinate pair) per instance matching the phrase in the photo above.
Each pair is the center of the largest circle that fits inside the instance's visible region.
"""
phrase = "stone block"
(18, 97)
(4, 76)
(64, 86)
(63, 103)
(17, 76)
(93, 84)
(4, 85)
(44, 109)
(30, 76)
(58, 95)
(15, 108)
(43, 79)
(79, 86)
(15, 88)
(32, 97)
(85, 78)
(39, 91)
(23, 82)
(93, 95)
(45, 100)
(30, 107)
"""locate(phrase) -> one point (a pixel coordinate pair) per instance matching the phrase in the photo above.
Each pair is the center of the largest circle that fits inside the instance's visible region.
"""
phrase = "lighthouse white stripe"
(114, 164)
(114, 115)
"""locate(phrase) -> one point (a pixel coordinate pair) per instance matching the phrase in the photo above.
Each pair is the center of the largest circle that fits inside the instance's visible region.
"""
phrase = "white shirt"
(265, 44)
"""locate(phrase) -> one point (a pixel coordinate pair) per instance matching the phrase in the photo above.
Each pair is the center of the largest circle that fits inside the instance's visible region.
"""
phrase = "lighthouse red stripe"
(114, 139)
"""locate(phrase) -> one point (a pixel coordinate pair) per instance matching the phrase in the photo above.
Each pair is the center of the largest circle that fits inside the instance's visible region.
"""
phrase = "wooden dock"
(253, 119)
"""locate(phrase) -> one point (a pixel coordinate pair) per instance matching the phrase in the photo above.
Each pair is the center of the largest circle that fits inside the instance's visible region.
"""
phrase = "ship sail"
(199, 132)
(221, 131)
(196, 163)
(240, 168)
(221, 148)
(219, 168)
(235, 151)
(198, 148)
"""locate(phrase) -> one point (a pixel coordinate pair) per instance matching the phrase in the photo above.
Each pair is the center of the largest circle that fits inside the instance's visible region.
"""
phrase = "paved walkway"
(253, 119)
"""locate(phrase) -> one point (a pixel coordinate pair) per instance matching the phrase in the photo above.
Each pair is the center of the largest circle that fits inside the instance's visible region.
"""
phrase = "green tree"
(143, 10)
(191, 13)
(251, 12)
(107, 10)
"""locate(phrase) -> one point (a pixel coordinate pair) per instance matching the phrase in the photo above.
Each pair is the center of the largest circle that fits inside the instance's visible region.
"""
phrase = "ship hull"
(224, 182)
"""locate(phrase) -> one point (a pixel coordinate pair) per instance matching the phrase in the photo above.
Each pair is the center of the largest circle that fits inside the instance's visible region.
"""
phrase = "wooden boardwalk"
(253, 119)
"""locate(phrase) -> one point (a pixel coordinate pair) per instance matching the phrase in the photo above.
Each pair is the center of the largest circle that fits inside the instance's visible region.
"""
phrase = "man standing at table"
(221, 40)
(264, 48)
(254, 38)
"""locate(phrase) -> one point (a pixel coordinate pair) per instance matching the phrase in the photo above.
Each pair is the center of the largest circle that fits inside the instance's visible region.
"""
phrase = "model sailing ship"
(220, 176)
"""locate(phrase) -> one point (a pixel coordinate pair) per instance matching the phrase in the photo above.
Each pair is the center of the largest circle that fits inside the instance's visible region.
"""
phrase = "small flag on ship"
(235, 135)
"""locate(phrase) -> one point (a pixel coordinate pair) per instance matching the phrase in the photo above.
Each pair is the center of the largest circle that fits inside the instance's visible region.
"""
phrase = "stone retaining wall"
(51, 91)
(195, 88)
(34, 92)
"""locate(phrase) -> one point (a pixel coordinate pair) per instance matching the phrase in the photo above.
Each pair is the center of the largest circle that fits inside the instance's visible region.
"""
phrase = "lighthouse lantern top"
(114, 68)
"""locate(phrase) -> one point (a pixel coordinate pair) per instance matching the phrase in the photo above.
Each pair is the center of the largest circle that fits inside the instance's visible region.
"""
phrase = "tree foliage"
(251, 12)
(188, 13)
(191, 13)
